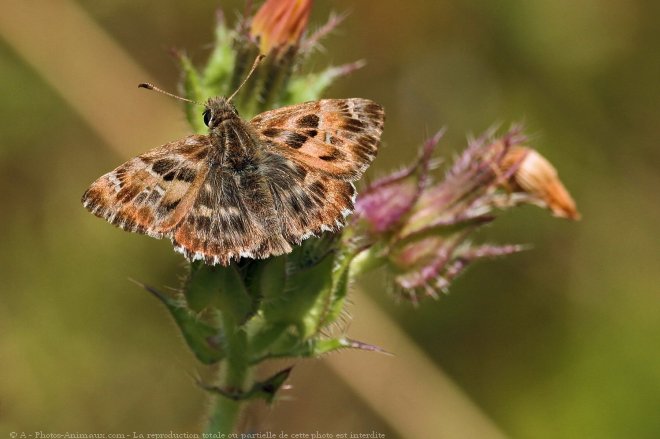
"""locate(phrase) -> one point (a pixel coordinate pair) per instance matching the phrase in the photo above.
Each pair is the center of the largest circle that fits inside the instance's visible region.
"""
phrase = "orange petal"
(280, 22)
(536, 176)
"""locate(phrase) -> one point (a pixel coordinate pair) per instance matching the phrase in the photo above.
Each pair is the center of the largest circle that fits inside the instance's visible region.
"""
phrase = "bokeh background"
(560, 341)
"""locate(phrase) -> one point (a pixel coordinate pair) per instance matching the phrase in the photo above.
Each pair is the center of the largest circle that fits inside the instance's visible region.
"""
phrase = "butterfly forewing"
(338, 137)
(151, 193)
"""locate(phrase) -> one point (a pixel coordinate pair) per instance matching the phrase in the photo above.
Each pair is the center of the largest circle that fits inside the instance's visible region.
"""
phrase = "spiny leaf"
(203, 339)
(266, 389)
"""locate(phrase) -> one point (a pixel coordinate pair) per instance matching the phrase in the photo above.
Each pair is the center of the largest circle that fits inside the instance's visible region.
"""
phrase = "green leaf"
(296, 304)
(220, 65)
(314, 347)
(192, 87)
(266, 278)
(317, 347)
(218, 287)
(311, 86)
(265, 336)
(203, 339)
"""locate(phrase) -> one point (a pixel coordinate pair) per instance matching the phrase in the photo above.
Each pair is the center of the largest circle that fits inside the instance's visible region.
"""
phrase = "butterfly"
(247, 189)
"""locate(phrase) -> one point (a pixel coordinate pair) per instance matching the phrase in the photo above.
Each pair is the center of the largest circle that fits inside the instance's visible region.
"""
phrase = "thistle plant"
(414, 224)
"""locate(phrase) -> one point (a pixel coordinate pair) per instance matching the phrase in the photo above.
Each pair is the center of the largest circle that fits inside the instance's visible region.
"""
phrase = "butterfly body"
(248, 188)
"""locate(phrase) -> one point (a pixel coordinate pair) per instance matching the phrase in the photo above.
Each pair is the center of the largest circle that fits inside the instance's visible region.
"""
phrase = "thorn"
(160, 296)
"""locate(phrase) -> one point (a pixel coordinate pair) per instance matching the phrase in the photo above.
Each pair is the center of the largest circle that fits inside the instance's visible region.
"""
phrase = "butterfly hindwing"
(306, 202)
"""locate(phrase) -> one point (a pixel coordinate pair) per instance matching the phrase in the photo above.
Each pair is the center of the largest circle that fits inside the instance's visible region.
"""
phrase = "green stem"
(367, 260)
(233, 377)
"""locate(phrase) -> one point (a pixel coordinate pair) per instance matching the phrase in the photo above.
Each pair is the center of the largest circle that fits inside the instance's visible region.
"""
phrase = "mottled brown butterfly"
(248, 189)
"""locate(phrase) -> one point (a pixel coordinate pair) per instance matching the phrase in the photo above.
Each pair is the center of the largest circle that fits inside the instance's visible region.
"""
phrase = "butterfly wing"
(314, 151)
(152, 193)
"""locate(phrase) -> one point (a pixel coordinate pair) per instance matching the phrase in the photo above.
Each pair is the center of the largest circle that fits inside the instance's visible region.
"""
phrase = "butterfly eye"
(207, 117)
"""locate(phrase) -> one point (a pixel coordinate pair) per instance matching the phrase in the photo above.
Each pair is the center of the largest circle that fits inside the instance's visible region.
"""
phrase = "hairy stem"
(233, 378)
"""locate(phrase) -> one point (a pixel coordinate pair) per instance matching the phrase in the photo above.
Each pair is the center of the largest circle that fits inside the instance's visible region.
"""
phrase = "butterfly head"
(217, 110)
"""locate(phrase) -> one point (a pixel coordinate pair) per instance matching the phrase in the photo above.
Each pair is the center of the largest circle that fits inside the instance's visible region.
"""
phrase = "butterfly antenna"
(254, 67)
(150, 86)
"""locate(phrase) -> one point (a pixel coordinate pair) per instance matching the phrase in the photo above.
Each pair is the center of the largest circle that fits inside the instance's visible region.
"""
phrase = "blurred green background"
(559, 341)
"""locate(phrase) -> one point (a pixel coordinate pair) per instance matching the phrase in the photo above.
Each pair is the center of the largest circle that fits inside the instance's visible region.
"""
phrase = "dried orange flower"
(536, 176)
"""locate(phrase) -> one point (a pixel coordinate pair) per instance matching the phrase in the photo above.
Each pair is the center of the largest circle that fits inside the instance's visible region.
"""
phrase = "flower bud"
(280, 23)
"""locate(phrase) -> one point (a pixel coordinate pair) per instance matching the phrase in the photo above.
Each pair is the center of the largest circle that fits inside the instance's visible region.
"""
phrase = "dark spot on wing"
(120, 173)
(373, 109)
(295, 140)
(127, 193)
(186, 174)
(166, 207)
(353, 125)
(309, 121)
(153, 197)
(317, 188)
(141, 198)
(368, 140)
(300, 171)
(295, 204)
(129, 224)
(163, 166)
(336, 141)
(307, 201)
(271, 132)
(334, 155)
(93, 197)
(347, 197)
(202, 153)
